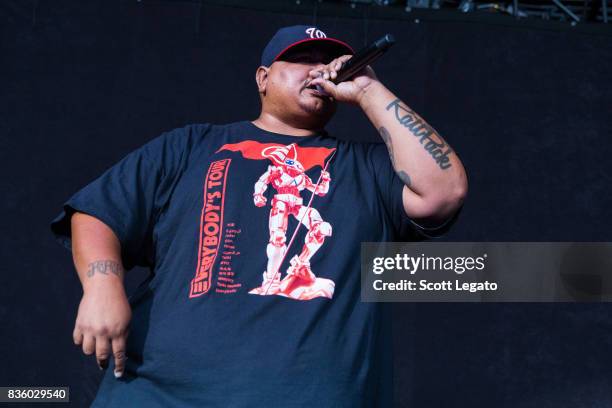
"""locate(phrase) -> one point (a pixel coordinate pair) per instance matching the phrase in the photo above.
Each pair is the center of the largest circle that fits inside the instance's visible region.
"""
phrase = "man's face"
(286, 90)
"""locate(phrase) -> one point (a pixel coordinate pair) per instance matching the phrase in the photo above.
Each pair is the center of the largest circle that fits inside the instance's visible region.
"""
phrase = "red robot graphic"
(287, 176)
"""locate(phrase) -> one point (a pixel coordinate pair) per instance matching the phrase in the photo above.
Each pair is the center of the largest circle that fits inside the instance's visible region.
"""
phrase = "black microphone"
(364, 57)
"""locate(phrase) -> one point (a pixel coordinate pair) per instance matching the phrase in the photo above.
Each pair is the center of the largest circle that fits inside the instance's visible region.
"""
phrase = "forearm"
(421, 157)
(102, 323)
(96, 253)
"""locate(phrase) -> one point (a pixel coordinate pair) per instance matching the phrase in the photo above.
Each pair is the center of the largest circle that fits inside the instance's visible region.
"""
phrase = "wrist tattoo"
(431, 141)
(105, 267)
(386, 136)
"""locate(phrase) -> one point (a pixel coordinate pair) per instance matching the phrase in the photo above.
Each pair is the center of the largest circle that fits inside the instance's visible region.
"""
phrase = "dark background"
(527, 107)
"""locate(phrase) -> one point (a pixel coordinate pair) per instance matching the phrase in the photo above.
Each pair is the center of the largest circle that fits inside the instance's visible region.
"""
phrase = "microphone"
(364, 57)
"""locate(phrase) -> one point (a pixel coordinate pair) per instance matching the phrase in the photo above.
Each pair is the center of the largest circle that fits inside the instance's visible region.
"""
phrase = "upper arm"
(92, 238)
(82, 223)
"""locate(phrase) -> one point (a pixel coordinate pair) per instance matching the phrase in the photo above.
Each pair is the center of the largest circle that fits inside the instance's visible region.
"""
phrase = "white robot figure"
(288, 178)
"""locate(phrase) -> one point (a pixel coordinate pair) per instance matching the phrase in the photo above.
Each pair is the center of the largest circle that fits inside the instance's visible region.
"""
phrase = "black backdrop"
(527, 108)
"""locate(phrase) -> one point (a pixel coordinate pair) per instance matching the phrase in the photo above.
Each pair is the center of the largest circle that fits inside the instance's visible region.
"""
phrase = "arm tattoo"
(431, 141)
(105, 267)
(384, 133)
(404, 177)
(386, 137)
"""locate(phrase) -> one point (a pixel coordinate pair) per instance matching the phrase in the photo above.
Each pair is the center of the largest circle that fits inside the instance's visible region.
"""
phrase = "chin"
(324, 110)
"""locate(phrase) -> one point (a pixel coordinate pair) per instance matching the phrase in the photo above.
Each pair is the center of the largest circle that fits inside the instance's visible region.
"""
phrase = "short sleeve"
(129, 196)
(391, 190)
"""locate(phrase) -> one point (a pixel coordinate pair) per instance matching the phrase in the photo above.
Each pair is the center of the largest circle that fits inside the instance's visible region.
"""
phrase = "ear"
(261, 77)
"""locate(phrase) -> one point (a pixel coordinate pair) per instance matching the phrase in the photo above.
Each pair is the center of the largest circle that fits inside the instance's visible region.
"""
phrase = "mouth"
(316, 91)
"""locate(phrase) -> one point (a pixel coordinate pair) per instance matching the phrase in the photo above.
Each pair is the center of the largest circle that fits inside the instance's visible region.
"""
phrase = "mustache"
(306, 83)
(308, 80)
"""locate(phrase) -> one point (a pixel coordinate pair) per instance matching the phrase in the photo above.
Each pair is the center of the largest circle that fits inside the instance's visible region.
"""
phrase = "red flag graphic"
(308, 156)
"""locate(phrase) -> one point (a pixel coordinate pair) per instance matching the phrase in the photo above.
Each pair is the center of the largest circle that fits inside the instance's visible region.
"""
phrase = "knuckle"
(102, 331)
(119, 331)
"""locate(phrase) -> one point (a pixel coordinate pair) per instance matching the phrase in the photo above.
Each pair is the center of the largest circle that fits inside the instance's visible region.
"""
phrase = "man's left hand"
(350, 91)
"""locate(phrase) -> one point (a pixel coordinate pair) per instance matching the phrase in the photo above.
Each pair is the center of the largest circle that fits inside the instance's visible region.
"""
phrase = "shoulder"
(195, 132)
(198, 130)
(175, 142)
(356, 147)
(190, 131)
(182, 133)
(370, 152)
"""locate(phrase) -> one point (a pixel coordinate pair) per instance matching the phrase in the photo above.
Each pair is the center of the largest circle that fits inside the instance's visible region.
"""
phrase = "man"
(207, 328)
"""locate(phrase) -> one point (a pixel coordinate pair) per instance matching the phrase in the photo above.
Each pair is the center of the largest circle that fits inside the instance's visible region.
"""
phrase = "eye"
(302, 57)
(290, 162)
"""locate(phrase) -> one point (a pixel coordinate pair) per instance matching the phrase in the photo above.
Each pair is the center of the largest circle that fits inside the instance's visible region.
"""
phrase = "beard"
(305, 111)
(315, 106)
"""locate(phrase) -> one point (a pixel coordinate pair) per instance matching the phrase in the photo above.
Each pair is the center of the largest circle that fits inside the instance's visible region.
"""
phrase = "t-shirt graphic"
(287, 177)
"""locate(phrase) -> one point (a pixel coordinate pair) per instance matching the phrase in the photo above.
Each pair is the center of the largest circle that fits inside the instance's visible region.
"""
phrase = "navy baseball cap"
(289, 37)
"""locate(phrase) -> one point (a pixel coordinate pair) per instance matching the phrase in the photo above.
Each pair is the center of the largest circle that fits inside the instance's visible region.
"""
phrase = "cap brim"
(334, 47)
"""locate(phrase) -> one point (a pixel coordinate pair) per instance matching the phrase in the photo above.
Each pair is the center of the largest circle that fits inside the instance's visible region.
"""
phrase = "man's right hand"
(102, 323)
(104, 315)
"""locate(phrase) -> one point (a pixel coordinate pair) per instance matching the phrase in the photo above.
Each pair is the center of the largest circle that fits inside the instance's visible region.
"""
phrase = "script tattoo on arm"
(431, 141)
(105, 267)
(384, 133)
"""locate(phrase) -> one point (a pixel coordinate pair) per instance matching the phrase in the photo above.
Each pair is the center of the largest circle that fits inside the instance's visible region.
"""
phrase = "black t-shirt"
(206, 207)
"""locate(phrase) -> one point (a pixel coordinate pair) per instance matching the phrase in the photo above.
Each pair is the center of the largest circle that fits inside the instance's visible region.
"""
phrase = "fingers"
(89, 344)
(326, 84)
(119, 355)
(324, 73)
(329, 71)
(102, 351)
(77, 336)
(343, 58)
(337, 64)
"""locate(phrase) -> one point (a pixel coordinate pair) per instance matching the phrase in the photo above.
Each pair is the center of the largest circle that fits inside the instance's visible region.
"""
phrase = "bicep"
(92, 238)
(85, 224)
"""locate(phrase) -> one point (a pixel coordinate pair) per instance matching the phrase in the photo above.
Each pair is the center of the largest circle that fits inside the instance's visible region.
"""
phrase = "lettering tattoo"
(386, 137)
(105, 267)
(431, 141)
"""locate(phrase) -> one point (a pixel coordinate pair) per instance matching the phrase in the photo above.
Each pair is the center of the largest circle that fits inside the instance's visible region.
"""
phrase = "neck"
(271, 123)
